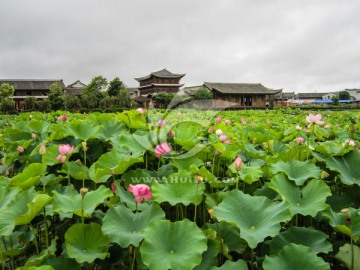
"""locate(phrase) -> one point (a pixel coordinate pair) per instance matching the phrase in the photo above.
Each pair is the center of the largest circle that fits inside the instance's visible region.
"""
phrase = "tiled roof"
(240, 88)
(164, 73)
(32, 84)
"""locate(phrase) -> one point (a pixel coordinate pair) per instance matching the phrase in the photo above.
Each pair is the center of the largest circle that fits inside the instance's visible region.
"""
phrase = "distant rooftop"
(240, 88)
(164, 73)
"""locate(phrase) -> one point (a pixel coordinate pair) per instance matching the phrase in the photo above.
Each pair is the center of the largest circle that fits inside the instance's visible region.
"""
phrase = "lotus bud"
(113, 187)
(346, 212)
(83, 191)
(227, 122)
(324, 175)
(238, 163)
(299, 140)
(33, 135)
(20, 149)
(42, 149)
(199, 178)
(218, 132)
(172, 133)
(218, 119)
(84, 146)
(211, 129)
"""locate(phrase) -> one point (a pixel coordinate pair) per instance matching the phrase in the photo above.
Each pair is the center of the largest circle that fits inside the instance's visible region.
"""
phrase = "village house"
(74, 89)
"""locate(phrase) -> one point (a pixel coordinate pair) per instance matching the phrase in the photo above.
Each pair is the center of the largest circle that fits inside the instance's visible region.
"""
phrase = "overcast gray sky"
(301, 46)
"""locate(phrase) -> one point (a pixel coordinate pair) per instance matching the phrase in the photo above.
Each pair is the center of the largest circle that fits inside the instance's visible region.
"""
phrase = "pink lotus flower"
(172, 133)
(141, 110)
(62, 118)
(227, 122)
(238, 163)
(315, 119)
(162, 149)
(218, 119)
(161, 123)
(327, 126)
(243, 121)
(64, 149)
(211, 129)
(20, 149)
(42, 149)
(299, 140)
(222, 137)
(218, 132)
(140, 192)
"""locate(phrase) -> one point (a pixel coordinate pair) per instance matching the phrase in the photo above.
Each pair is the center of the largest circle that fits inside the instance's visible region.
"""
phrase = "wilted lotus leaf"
(179, 245)
(257, 217)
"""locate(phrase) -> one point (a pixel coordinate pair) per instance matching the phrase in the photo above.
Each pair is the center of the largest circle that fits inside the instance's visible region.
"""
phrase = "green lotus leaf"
(30, 176)
(256, 217)
(339, 223)
(229, 265)
(34, 208)
(111, 128)
(62, 262)
(185, 163)
(82, 130)
(101, 170)
(253, 152)
(38, 127)
(132, 119)
(14, 209)
(257, 137)
(309, 237)
(138, 176)
(209, 257)
(86, 242)
(13, 245)
(295, 257)
(180, 187)
(187, 134)
(16, 135)
(347, 166)
(7, 196)
(52, 152)
(137, 143)
(71, 202)
(179, 245)
(42, 267)
(214, 199)
(230, 235)
(332, 148)
(209, 177)
(124, 227)
(250, 174)
(297, 171)
(307, 200)
(77, 171)
(345, 254)
(36, 260)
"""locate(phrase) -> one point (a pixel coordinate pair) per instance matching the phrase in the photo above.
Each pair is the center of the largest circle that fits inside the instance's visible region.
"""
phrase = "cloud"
(298, 46)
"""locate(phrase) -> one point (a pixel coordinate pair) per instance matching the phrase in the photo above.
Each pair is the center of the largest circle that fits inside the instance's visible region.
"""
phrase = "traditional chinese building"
(38, 89)
(74, 89)
(241, 94)
(160, 81)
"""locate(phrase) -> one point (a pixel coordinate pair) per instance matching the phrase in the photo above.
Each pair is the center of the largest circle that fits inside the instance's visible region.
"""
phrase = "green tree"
(335, 100)
(124, 97)
(115, 86)
(30, 103)
(203, 93)
(72, 103)
(6, 90)
(93, 92)
(7, 104)
(56, 96)
(43, 105)
(344, 95)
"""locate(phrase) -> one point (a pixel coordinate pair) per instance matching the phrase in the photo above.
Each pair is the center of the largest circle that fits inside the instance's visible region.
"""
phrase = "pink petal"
(138, 199)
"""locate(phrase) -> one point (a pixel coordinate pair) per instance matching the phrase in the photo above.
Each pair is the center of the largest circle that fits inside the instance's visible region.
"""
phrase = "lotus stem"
(46, 230)
(133, 258)
(35, 239)
(252, 259)
(83, 180)
(352, 252)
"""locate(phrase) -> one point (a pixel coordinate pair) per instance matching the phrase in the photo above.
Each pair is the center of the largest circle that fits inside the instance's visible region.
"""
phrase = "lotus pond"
(183, 189)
